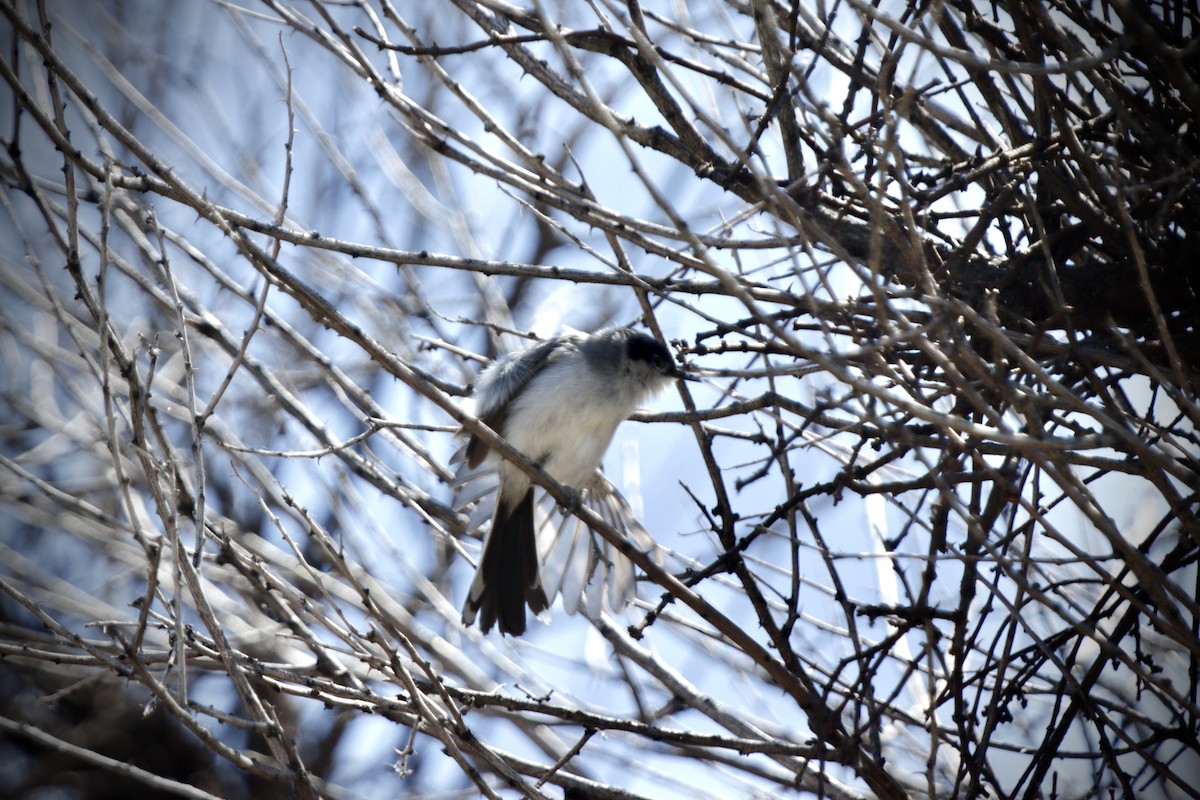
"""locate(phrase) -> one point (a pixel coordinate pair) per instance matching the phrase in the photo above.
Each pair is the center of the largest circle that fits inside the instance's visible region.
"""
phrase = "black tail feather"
(509, 572)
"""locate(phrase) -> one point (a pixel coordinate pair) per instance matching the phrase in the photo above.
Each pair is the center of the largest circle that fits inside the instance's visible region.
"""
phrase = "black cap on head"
(641, 347)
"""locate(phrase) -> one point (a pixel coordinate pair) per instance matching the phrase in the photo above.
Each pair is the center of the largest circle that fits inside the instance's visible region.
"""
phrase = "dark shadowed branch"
(927, 526)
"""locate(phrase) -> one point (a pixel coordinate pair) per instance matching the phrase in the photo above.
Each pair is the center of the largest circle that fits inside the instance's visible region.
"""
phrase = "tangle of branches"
(927, 527)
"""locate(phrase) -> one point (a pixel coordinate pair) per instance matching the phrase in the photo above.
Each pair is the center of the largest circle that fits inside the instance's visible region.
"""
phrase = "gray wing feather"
(503, 381)
(581, 567)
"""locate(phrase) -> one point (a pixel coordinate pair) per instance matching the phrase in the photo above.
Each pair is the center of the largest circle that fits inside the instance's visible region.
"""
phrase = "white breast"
(564, 419)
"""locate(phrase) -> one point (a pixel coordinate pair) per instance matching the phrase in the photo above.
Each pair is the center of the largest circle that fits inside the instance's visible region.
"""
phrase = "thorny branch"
(928, 528)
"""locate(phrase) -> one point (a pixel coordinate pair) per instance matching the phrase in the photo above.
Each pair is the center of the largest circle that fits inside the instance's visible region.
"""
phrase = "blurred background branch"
(938, 488)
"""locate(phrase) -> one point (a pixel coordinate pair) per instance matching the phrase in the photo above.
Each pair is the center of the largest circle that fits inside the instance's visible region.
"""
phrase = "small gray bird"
(559, 403)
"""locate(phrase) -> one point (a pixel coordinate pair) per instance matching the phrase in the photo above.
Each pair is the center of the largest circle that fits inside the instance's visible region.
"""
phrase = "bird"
(559, 402)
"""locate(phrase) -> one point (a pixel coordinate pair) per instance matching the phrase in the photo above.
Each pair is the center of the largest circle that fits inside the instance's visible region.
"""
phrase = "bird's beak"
(678, 373)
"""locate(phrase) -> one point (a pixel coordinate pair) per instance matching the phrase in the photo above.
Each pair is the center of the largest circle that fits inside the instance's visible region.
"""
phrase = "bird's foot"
(574, 500)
